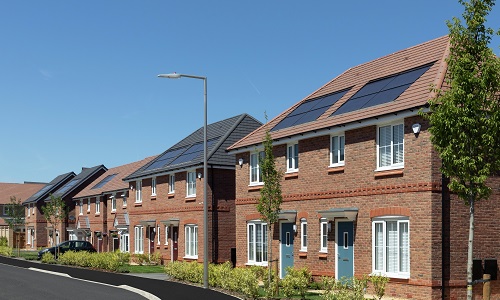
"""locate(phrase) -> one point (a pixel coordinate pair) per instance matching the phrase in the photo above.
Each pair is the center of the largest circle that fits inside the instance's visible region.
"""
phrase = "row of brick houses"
(362, 189)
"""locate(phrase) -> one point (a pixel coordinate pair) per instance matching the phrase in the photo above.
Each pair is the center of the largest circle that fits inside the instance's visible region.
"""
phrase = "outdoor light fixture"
(205, 171)
(240, 162)
(199, 175)
(416, 128)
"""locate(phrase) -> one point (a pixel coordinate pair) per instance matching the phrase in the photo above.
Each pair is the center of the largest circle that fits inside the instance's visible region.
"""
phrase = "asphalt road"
(162, 289)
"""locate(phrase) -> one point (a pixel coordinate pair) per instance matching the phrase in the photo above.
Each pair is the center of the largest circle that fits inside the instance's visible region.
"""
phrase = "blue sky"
(78, 84)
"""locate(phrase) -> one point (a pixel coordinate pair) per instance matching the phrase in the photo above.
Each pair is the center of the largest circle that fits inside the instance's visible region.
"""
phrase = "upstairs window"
(138, 191)
(191, 184)
(153, 186)
(80, 205)
(390, 147)
(113, 203)
(337, 145)
(97, 205)
(292, 158)
(171, 184)
(255, 171)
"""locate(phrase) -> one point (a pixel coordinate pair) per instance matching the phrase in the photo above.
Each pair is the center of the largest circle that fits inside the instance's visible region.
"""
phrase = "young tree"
(270, 195)
(15, 218)
(465, 114)
(55, 213)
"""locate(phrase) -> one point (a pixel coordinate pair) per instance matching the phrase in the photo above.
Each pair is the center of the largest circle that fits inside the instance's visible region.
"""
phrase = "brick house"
(39, 231)
(362, 190)
(21, 191)
(101, 209)
(166, 196)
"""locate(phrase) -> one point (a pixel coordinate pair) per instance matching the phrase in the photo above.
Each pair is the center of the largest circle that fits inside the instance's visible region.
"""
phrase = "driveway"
(155, 284)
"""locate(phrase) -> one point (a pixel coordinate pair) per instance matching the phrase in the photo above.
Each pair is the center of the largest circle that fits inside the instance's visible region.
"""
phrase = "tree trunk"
(270, 256)
(470, 249)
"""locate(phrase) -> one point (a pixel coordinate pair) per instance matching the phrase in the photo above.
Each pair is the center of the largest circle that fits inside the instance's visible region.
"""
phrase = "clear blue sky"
(78, 84)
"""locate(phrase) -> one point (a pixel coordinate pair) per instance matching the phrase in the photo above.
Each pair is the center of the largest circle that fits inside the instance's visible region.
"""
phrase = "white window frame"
(255, 170)
(390, 147)
(88, 204)
(380, 267)
(303, 235)
(153, 186)
(124, 201)
(138, 191)
(113, 203)
(125, 242)
(337, 150)
(138, 240)
(171, 183)
(191, 241)
(254, 257)
(28, 236)
(33, 208)
(166, 235)
(191, 184)
(29, 210)
(292, 157)
(323, 237)
(97, 205)
(158, 234)
(80, 207)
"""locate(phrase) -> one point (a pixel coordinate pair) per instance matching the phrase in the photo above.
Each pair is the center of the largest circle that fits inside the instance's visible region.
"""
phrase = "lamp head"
(170, 75)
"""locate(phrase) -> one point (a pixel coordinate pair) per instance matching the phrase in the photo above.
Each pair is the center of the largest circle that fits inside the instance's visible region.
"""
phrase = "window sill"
(389, 173)
(153, 197)
(170, 195)
(190, 257)
(302, 253)
(391, 275)
(335, 170)
(291, 175)
(252, 188)
(190, 199)
(97, 214)
(256, 264)
(113, 212)
(322, 255)
(138, 204)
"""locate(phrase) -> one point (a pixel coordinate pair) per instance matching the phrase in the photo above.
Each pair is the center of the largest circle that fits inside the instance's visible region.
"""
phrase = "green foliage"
(111, 261)
(296, 282)
(4, 241)
(15, 213)
(6, 251)
(48, 258)
(344, 289)
(379, 282)
(54, 212)
(241, 280)
(465, 118)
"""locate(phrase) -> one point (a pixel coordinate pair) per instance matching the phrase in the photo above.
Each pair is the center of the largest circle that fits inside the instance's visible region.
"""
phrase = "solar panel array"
(180, 155)
(103, 182)
(382, 90)
(67, 186)
(310, 110)
(43, 190)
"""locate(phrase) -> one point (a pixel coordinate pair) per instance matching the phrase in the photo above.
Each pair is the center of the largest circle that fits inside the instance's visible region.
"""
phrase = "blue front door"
(345, 249)
(286, 247)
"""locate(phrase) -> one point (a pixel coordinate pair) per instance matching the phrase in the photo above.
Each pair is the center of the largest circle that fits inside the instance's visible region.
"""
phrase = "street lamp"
(205, 172)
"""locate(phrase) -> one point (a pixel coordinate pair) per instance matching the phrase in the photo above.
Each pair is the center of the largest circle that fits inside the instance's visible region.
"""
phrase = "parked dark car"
(66, 246)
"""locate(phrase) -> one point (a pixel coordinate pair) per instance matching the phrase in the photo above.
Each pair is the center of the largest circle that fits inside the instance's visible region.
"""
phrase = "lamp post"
(205, 172)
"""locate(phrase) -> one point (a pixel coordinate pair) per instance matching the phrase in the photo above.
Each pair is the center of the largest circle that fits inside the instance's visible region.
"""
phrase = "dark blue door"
(286, 247)
(345, 250)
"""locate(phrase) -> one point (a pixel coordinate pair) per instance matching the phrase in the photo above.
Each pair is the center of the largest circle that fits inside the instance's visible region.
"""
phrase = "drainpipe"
(445, 225)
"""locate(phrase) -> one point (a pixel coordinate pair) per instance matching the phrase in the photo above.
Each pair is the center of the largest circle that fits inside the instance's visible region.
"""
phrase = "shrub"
(344, 289)
(296, 282)
(379, 282)
(48, 258)
(3, 241)
(5, 251)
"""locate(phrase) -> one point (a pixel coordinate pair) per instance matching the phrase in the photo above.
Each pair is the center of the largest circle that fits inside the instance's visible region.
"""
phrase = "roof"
(21, 191)
(189, 152)
(429, 57)
(51, 187)
(77, 181)
(112, 179)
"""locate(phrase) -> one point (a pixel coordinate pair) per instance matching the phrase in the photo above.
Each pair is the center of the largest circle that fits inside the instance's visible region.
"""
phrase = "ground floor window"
(125, 242)
(138, 240)
(257, 243)
(391, 246)
(191, 241)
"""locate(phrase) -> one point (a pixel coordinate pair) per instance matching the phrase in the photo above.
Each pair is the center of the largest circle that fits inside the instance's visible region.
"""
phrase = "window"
(138, 240)
(29, 210)
(391, 247)
(158, 234)
(138, 191)
(337, 150)
(97, 205)
(88, 205)
(292, 158)
(390, 152)
(28, 236)
(191, 184)
(153, 186)
(191, 241)
(113, 203)
(33, 208)
(303, 235)
(257, 243)
(171, 183)
(166, 235)
(125, 242)
(324, 236)
(124, 201)
(80, 205)
(255, 171)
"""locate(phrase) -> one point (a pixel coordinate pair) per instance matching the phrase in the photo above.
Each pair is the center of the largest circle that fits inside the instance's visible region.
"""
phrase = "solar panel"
(103, 182)
(166, 158)
(382, 90)
(43, 190)
(310, 110)
(193, 152)
(67, 186)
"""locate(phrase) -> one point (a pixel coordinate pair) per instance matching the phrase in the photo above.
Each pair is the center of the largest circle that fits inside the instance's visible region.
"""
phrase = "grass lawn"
(143, 269)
